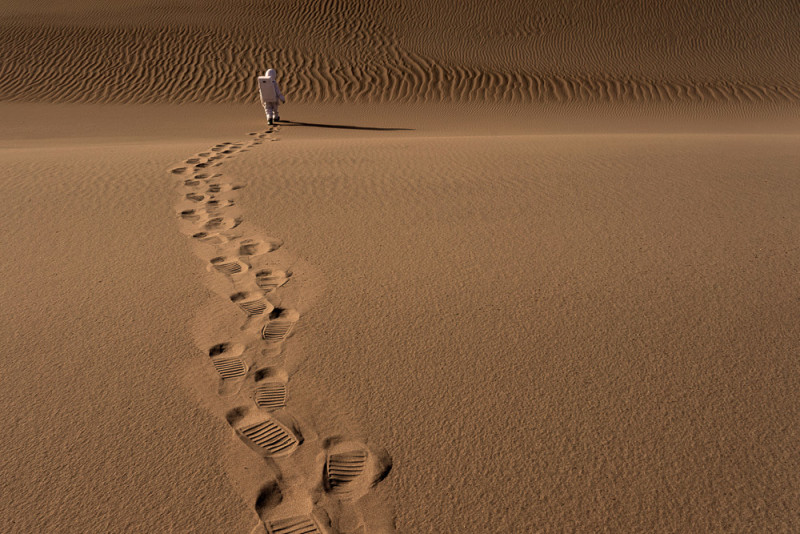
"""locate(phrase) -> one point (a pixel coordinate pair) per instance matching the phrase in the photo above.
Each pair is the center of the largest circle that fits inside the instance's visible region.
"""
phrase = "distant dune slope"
(510, 51)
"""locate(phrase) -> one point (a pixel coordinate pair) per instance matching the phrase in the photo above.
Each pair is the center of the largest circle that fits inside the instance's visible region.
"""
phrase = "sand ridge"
(316, 484)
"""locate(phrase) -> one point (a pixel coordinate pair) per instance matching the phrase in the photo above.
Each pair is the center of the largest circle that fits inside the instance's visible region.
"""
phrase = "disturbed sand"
(511, 269)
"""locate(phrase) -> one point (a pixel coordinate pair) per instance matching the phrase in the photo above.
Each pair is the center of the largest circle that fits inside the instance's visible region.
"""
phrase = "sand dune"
(403, 308)
(511, 52)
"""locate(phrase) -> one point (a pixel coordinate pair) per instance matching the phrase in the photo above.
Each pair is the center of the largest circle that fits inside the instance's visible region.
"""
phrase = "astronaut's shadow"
(342, 126)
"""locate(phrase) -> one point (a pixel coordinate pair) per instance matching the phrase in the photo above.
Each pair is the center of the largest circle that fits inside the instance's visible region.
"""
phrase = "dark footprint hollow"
(268, 498)
(192, 215)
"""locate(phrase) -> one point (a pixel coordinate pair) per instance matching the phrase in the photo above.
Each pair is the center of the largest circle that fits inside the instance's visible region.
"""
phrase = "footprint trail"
(310, 484)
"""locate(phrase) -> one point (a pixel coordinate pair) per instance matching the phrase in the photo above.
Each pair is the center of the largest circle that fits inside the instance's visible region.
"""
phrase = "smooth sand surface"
(556, 332)
(100, 436)
(515, 267)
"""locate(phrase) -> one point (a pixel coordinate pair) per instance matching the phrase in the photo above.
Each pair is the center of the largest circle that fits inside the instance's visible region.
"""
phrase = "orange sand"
(544, 259)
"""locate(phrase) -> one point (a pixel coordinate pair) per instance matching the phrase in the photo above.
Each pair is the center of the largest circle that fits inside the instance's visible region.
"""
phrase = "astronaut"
(270, 95)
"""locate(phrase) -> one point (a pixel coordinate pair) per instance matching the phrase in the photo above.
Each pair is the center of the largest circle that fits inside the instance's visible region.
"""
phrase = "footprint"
(230, 367)
(214, 239)
(343, 469)
(271, 279)
(256, 247)
(194, 215)
(269, 497)
(294, 525)
(222, 188)
(351, 468)
(266, 435)
(280, 325)
(271, 394)
(216, 204)
(253, 303)
(222, 223)
(228, 265)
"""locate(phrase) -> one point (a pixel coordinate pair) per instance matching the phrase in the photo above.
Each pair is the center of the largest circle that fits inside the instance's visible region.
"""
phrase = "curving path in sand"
(314, 483)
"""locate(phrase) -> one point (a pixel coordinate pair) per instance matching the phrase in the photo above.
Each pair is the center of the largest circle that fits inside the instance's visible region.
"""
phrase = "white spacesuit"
(270, 95)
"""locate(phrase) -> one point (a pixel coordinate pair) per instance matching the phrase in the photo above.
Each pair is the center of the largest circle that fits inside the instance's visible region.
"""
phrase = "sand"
(600, 338)
(520, 268)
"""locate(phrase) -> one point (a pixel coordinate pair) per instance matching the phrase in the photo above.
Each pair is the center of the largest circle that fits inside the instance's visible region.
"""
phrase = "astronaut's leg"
(270, 107)
(276, 116)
